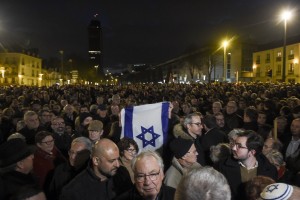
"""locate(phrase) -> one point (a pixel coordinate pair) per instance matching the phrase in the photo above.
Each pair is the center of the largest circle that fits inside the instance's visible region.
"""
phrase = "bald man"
(103, 178)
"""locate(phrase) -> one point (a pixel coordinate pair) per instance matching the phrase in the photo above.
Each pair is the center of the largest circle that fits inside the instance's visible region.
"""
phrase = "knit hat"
(14, 151)
(84, 115)
(180, 146)
(95, 125)
(278, 191)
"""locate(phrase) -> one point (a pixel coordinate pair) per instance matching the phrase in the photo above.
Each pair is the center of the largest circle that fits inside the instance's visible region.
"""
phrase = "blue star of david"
(145, 141)
(271, 188)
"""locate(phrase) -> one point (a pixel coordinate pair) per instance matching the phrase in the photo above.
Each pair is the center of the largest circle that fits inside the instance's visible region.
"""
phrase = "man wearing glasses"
(247, 161)
(62, 139)
(192, 129)
(148, 171)
(79, 155)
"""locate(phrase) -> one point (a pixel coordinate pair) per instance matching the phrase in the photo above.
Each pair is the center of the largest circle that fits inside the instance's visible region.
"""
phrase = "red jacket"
(44, 163)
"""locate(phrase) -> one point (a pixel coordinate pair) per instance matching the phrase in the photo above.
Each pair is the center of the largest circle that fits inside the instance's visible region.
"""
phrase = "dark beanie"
(180, 146)
(84, 115)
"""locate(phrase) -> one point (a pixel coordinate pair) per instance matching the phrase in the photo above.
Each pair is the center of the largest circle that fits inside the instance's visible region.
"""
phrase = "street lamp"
(96, 67)
(225, 44)
(285, 16)
(62, 62)
(71, 63)
(2, 70)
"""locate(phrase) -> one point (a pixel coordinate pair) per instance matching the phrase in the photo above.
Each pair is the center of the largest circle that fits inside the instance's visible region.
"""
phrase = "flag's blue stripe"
(165, 120)
(128, 123)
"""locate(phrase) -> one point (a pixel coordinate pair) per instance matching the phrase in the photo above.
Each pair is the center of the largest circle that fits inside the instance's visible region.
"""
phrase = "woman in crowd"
(46, 157)
(284, 175)
(128, 150)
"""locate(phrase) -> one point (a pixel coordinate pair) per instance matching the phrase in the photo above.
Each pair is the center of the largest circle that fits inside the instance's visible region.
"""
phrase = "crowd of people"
(225, 141)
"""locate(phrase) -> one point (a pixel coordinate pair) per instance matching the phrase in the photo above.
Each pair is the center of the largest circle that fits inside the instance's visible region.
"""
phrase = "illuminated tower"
(95, 45)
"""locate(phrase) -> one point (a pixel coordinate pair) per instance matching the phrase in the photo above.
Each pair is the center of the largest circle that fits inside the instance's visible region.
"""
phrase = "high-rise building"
(95, 45)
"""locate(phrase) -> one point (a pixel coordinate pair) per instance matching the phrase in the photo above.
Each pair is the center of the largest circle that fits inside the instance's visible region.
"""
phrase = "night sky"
(144, 31)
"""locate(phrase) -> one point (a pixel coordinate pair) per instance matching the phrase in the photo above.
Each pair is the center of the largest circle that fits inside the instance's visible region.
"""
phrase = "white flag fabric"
(146, 124)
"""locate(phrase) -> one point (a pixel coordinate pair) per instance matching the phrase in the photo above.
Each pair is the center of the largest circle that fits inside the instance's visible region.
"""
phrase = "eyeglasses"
(59, 123)
(131, 150)
(48, 142)
(237, 145)
(142, 177)
(197, 124)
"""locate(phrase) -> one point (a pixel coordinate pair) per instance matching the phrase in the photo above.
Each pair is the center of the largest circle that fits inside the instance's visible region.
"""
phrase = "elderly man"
(185, 157)
(271, 144)
(97, 182)
(247, 161)
(95, 130)
(203, 183)
(216, 107)
(232, 119)
(79, 155)
(32, 127)
(148, 171)
(115, 99)
(16, 163)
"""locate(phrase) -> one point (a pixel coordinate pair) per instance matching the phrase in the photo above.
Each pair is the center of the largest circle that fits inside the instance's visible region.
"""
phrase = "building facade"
(204, 65)
(20, 69)
(268, 64)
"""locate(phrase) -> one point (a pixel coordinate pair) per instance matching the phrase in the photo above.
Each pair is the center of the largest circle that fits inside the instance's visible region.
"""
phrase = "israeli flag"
(146, 124)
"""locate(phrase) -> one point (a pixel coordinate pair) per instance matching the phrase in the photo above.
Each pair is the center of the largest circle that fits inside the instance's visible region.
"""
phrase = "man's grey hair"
(234, 133)
(219, 152)
(275, 157)
(28, 114)
(203, 183)
(147, 153)
(218, 103)
(86, 141)
(188, 118)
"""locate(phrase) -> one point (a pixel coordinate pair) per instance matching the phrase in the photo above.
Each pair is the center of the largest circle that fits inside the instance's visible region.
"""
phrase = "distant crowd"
(225, 141)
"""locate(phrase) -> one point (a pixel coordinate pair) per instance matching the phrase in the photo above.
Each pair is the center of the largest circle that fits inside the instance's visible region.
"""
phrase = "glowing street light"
(285, 16)
(96, 67)
(62, 62)
(225, 44)
(2, 70)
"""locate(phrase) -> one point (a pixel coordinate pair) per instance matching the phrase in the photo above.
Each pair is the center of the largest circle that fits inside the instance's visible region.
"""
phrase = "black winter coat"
(166, 193)
(87, 185)
(230, 168)
(12, 182)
